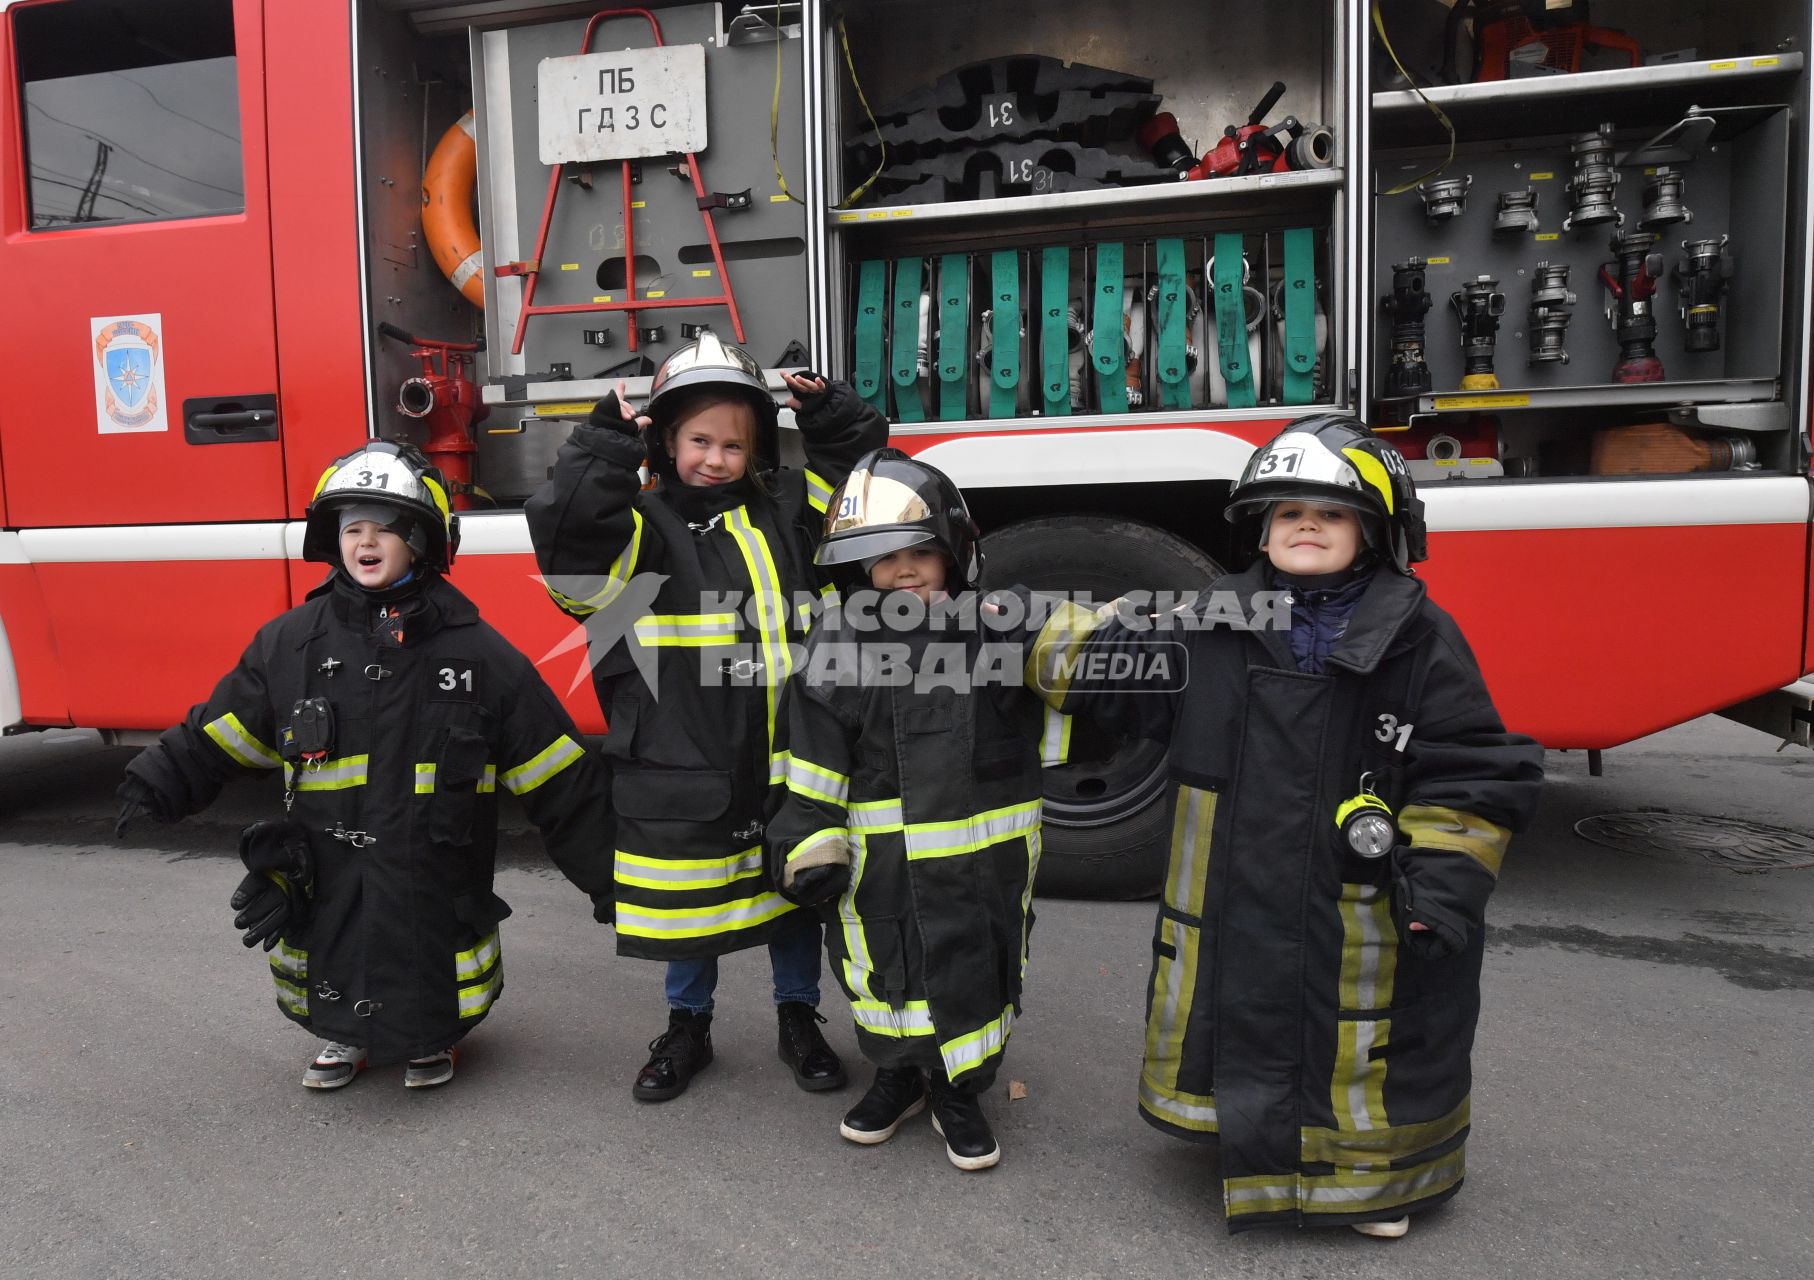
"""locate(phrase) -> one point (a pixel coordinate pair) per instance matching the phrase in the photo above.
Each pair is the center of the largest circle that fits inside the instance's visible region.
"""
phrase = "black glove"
(137, 800)
(263, 907)
(815, 885)
(604, 908)
(1446, 930)
(608, 413)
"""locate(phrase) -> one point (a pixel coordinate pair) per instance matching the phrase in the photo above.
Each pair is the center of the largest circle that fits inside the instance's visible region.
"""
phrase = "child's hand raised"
(805, 385)
(614, 413)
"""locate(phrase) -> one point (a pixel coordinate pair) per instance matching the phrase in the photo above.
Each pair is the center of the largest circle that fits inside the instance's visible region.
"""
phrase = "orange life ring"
(447, 223)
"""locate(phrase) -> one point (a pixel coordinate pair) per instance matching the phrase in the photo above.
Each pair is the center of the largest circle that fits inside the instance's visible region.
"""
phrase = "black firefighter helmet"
(1332, 457)
(710, 368)
(889, 502)
(396, 477)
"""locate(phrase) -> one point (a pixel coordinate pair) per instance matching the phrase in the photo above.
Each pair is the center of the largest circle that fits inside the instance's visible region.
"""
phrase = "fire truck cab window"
(130, 110)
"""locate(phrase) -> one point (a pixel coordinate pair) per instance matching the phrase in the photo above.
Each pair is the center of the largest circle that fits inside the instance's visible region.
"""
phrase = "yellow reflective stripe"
(1430, 826)
(470, 964)
(817, 838)
(1055, 738)
(1193, 823)
(818, 493)
(686, 873)
(291, 996)
(1260, 1193)
(803, 614)
(617, 576)
(1353, 1192)
(1369, 948)
(882, 1019)
(876, 816)
(1382, 1145)
(1050, 665)
(970, 1051)
(699, 922)
(686, 630)
(329, 775)
(425, 779)
(240, 743)
(814, 780)
(1174, 987)
(1195, 1112)
(1026, 900)
(290, 960)
(532, 773)
(770, 625)
(477, 999)
(973, 834)
(1357, 1084)
(858, 965)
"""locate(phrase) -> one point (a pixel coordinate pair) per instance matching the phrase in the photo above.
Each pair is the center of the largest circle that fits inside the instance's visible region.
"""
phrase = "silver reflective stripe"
(470, 964)
(289, 960)
(233, 737)
(771, 610)
(876, 815)
(475, 1000)
(1361, 1188)
(686, 628)
(816, 782)
(292, 997)
(699, 873)
(856, 946)
(1194, 1113)
(969, 1051)
(1055, 739)
(884, 1020)
(648, 923)
(332, 775)
(556, 756)
(1266, 1191)
(817, 491)
(1189, 841)
(971, 835)
(1360, 1067)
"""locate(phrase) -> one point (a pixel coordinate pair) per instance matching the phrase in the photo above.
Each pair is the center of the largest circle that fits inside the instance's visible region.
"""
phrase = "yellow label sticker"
(849, 217)
(901, 213)
(1437, 262)
(1766, 62)
(569, 266)
(1547, 235)
(1513, 401)
(703, 273)
(1543, 177)
(639, 204)
(602, 297)
(876, 214)
(779, 198)
(1722, 66)
(1650, 171)
(563, 410)
(656, 293)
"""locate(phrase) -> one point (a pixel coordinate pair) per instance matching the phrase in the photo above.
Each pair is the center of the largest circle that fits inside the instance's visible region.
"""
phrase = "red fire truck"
(1084, 261)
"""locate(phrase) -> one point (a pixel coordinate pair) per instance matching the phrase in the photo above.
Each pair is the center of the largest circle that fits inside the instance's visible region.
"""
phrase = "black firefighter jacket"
(433, 710)
(932, 785)
(714, 579)
(1285, 1015)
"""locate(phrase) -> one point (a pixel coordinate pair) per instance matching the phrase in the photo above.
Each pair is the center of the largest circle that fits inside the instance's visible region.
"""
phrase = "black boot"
(894, 1098)
(958, 1118)
(675, 1056)
(814, 1065)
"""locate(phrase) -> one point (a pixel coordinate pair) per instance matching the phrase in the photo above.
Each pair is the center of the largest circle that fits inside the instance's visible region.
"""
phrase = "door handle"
(230, 419)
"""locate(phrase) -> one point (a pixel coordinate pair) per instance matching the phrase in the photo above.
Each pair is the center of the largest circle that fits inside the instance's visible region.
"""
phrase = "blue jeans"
(793, 955)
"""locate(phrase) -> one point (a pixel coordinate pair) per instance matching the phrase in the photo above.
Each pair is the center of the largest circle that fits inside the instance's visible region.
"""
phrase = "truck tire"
(1105, 832)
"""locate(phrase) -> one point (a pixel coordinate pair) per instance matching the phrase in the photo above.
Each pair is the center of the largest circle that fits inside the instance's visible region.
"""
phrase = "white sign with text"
(629, 105)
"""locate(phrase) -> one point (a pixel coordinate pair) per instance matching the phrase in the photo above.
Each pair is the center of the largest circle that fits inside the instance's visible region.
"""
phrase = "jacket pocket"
(460, 766)
(673, 795)
(887, 959)
(619, 741)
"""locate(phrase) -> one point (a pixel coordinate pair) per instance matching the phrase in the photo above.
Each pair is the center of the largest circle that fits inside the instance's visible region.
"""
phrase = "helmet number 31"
(1281, 462)
(1389, 728)
(372, 480)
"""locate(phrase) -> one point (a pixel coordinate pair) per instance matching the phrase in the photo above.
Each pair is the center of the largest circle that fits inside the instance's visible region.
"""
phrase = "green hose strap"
(1108, 350)
(872, 293)
(1231, 322)
(909, 282)
(953, 336)
(1174, 373)
(1300, 316)
(1004, 356)
(1054, 331)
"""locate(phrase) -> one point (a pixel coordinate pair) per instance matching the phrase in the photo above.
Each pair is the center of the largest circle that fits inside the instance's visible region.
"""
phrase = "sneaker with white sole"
(1383, 1230)
(436, 1068)
(334, 1066)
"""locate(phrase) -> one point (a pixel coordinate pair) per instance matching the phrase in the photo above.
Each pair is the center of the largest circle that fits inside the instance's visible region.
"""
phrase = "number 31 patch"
(454, 679)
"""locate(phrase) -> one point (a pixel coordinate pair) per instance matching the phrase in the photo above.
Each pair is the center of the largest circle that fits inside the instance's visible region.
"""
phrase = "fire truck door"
(139, 423)
(136, 340)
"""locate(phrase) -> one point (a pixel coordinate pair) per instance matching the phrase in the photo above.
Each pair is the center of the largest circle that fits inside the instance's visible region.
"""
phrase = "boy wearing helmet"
(1343, 793)
(393, 713)
(709, 563)
(912, 807)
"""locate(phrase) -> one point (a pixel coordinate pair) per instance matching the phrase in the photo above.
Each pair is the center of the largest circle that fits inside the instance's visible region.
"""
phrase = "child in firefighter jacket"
(691, 593)
(912, 806)
(1342, 792)
(394, 714)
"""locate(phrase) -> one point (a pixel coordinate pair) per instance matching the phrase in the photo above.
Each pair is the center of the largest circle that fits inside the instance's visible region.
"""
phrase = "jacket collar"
(439, 604)
(1379, 619)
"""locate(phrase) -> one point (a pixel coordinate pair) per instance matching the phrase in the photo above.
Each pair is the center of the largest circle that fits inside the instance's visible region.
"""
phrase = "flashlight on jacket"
(1367, 826)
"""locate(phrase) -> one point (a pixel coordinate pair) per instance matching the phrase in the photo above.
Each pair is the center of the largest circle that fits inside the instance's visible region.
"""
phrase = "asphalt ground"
(1642, 1102)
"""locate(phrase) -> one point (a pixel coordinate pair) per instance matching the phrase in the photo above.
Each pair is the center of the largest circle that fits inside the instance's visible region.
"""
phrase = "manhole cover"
(1725, 842)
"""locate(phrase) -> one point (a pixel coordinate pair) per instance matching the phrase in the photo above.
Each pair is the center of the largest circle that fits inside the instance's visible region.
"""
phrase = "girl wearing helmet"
(913, 804)
(1343, 793)
(393, 712)
(688, 593)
